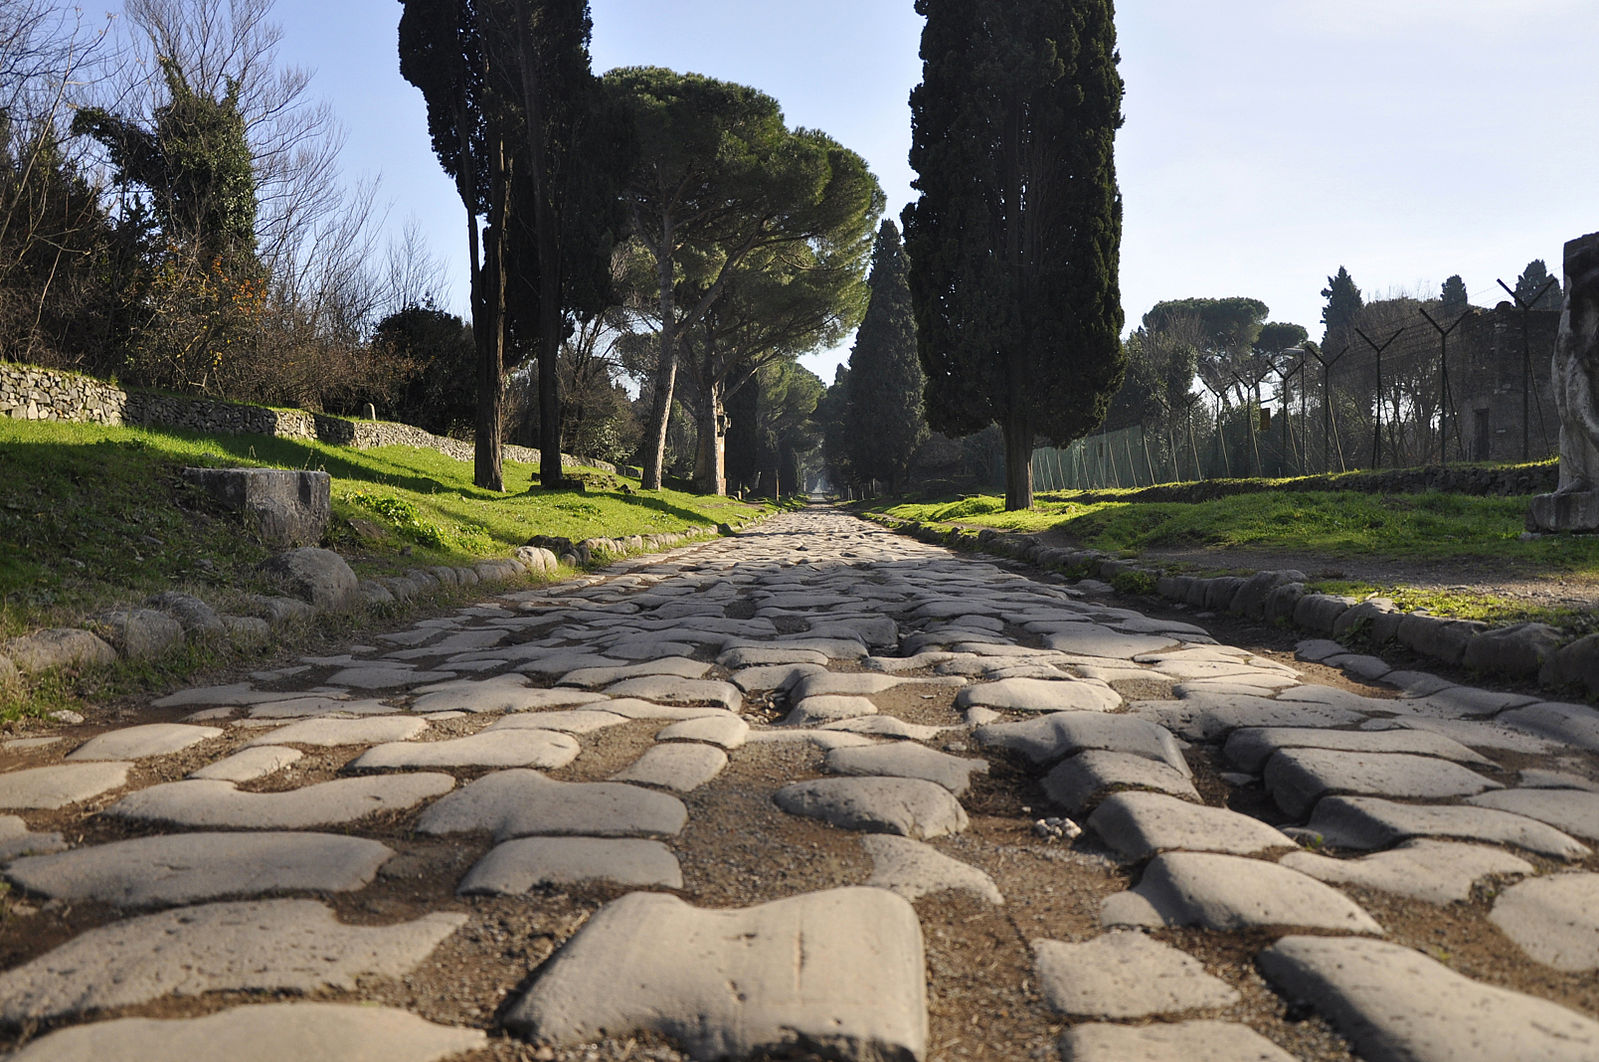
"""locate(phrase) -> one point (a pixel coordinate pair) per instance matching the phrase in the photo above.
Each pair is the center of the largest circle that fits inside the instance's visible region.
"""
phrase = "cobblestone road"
(810, 792)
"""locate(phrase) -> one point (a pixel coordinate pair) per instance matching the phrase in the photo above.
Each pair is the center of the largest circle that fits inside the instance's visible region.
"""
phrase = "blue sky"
(1267, 142)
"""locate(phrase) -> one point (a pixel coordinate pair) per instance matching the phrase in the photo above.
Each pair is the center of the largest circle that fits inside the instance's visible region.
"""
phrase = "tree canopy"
(1534, 287)
(885, 416)
(1015, 240)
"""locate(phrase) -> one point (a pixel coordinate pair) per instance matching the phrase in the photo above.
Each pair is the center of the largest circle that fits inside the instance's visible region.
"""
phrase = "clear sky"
(1267, 142)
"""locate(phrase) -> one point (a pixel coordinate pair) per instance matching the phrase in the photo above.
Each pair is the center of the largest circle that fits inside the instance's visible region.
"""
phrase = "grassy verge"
(1332, 526)
(93, 517)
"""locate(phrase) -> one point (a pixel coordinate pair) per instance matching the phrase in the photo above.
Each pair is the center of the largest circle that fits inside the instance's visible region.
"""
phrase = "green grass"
(93, 517)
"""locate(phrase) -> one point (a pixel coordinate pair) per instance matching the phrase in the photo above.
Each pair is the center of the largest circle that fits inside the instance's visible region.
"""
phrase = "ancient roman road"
(813, 791)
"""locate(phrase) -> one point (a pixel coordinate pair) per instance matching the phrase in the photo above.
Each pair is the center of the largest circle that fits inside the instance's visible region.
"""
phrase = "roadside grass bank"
(1332, 526)
(95, 517)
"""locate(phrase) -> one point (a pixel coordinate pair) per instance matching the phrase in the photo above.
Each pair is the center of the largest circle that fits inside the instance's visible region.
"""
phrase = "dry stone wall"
(31, 393)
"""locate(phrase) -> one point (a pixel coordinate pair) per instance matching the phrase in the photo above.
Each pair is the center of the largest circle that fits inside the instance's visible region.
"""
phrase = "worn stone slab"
(46, 788)
(264, 945)
(1143, 824)
(1040, 695)
(850, 684)
(1125, 974)
(1554, 919)
(200, 804)
(668, 689)
(677, 666)
(886, 726)
(725, 731)
(1570, 724)
(634, 708)
(194, 867)
(141, 742)
(682, 766)
(903, 759)
(385, 676)
(271, 1032)
(828, 708)
(1249, 749)
(16, 840)
(726, 984)
(248, 764)
(503, 693)
(1094, 640)
(1078, 784)
(519, 866)
(521, 803)
(1574, 811)
(1475, 733)
(318, 705)
(330, 733)
(910, 807)
(556, 662)
(1208, 716)
(544, 749)
(1298, 777)
(1057, 735)
(1398, 1005)
(566, 721)
(827, 740)
(1223, 892)
(743, 656)
(772, 676)
(1183, 1041)
(1364, 823)
(237, 693)
(913, 870)
(1436, 871)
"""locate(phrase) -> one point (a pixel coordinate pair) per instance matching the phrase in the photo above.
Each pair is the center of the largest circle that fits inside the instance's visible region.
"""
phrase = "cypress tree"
(1342, 311)
(1454, 298)
(1014, 243)
(885, 417)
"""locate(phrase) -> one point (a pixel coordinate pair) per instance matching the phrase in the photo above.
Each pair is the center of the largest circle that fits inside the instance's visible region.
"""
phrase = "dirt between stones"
(738, 849)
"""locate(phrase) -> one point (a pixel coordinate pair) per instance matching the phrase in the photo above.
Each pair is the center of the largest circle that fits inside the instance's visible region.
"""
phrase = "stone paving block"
(773, 676)
(851, 684)
(201, 804)
(635, 708)
(523, 747)
(1206, 716)
(1555, 920)
(886, 726)
(141, 742)
(248, 764)
(1364, 823)
(1093, 640)
(1143, 824)
(826, 740)
(1223, 892)
(1298, 777)
(1436, 871)
(194, 867)
(669, 689)
(1475, 733)
(567, 721)
(1575, 812)
(910, 807)
(913, 870)
(1397, 1005)
(1184, 1041)
(1249, 749)
(330, 733)
(1057, 735)
(1078, 784)
(1125, 974)
(237, 693)
(520, 866)
(385, 676)
(828, 708)
(318, 705)
(678, 666)
(908, 760)
(1572, 724)
(727, 985)
(270, 1032)
(742, 656)
(680, 765)
(505, 693)
(264, 945)
(47, 788)
(1539, 778)
(1041, 695)
(16, 840)
(555, 662)
(728, 731)
(522, 803)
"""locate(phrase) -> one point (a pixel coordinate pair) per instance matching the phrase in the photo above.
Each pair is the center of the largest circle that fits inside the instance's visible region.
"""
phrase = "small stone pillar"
(1574, 506)
(371, 412)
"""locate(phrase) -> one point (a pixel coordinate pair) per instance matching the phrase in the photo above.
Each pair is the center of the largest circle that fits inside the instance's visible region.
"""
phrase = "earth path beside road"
(804, 793)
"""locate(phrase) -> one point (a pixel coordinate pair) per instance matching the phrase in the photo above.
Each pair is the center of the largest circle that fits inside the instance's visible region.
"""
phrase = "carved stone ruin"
(1574, 506)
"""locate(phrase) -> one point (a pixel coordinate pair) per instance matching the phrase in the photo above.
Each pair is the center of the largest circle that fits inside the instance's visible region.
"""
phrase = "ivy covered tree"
(885, 414)
(1534, 287)
(1015, 240)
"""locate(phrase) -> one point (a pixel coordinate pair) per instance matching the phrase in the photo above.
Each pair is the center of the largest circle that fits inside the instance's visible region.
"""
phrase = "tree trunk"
(550, 330)
(488, 471)
(1018, 461)
(654, 444)
(710, 464)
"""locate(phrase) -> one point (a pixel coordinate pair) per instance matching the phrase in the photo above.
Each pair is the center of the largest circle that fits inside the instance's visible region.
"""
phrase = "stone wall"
(31, 393)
